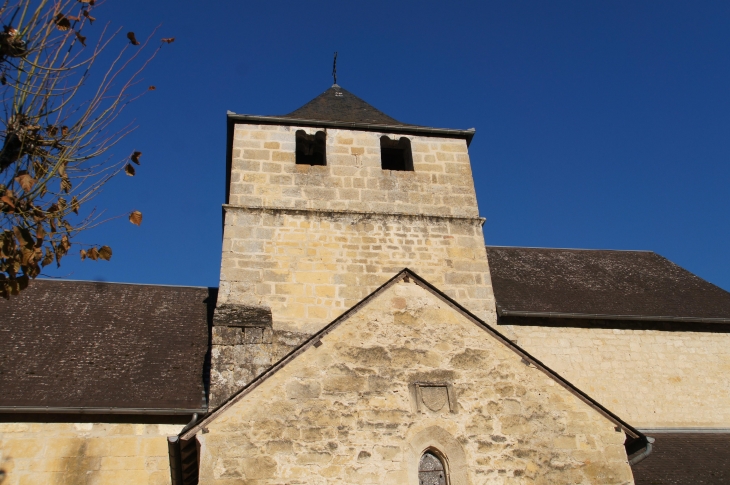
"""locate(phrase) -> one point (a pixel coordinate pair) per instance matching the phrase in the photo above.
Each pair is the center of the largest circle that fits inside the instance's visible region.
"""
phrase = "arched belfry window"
(311, 149)
(431, 470)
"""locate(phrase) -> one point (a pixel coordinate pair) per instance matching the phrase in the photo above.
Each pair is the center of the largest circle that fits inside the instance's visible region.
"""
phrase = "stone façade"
(344, 410)
(654, 375)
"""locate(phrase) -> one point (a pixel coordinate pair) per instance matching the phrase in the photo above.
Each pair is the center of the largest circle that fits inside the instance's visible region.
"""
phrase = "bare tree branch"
(62, 97)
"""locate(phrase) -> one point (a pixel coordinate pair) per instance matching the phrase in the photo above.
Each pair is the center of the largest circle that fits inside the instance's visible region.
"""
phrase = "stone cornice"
(340, 213)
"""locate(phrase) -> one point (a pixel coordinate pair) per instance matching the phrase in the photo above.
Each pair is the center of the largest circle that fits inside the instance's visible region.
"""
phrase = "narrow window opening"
(311, 149)
(431, 470)
(396, 154)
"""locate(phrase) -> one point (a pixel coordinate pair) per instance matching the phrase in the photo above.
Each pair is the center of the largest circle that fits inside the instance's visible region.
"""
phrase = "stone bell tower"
(324, 205)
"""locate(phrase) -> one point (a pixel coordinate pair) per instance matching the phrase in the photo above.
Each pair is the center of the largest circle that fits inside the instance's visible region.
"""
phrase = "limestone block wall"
(652, 378)
(85, 453)
(263, 174)
(310, 266)
(344, 411)
(305, 243)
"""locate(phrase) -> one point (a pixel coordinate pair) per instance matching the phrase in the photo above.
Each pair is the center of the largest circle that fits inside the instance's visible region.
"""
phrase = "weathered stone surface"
(85, 453)
(311, 241)
(233, 365)
(236, 315)
(652, 378)
(342, 412)
(227, 336)
(253, 335)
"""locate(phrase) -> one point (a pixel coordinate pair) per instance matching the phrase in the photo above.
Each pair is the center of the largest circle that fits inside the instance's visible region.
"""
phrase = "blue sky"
(599, 124)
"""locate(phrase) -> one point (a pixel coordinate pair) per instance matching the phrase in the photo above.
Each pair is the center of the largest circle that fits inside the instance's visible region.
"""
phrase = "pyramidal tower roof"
(339, 108)
(338, 104)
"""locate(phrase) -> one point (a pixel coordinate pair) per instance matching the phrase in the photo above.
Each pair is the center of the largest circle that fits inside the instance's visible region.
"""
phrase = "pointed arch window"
(431, 470)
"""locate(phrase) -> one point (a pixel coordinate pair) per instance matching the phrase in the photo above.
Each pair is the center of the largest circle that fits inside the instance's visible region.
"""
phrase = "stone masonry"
(37, 453)
(652, 378)
(345, 411)
(302, 243)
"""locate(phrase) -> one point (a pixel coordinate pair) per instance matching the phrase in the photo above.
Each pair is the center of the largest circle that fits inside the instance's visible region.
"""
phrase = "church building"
(364, 333)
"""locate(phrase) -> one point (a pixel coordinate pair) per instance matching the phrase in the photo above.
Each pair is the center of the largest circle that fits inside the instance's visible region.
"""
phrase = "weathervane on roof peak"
(334, 69)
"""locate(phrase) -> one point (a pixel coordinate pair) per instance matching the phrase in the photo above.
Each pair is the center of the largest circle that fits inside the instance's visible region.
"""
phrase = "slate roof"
(621, 285)
(339, 108)
(686, 459)
(338, 104)
(78, 346)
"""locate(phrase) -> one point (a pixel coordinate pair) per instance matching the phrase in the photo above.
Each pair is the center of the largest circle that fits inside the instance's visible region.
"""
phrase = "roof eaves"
(399, 128)
(56, 280)
(405, 273)
(98, 410)
(600, 316)
(570, 249)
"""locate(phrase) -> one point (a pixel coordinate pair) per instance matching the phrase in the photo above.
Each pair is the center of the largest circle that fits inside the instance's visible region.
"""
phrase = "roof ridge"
(572, 249)
(65, 280)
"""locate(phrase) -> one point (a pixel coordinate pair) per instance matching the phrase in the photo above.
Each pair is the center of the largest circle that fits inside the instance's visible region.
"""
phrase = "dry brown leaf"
(132, 38)
(8, 201)
(40, 233)
(105, 253)
(64, 130)
(23, 236)
(151, 88)
(82, 253)
(65, 243)
(129, 170)
(7, 244)
(75, 205)
(27, 256)
(81, 38)
(52, 130)
(86, 14)
(25, 181)
(135, 217)
(65, 184)
(92, 254)
(62, 23)
(169, 40)
(135, 157)
(73, 18)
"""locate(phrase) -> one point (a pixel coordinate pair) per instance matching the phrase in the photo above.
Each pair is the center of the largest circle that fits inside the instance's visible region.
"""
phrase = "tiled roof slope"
(601, 284)
(686, 459)
(69, 344)
(338, 104)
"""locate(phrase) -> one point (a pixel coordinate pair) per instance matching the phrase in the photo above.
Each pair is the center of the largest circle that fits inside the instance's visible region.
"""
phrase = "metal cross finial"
(334, 68)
